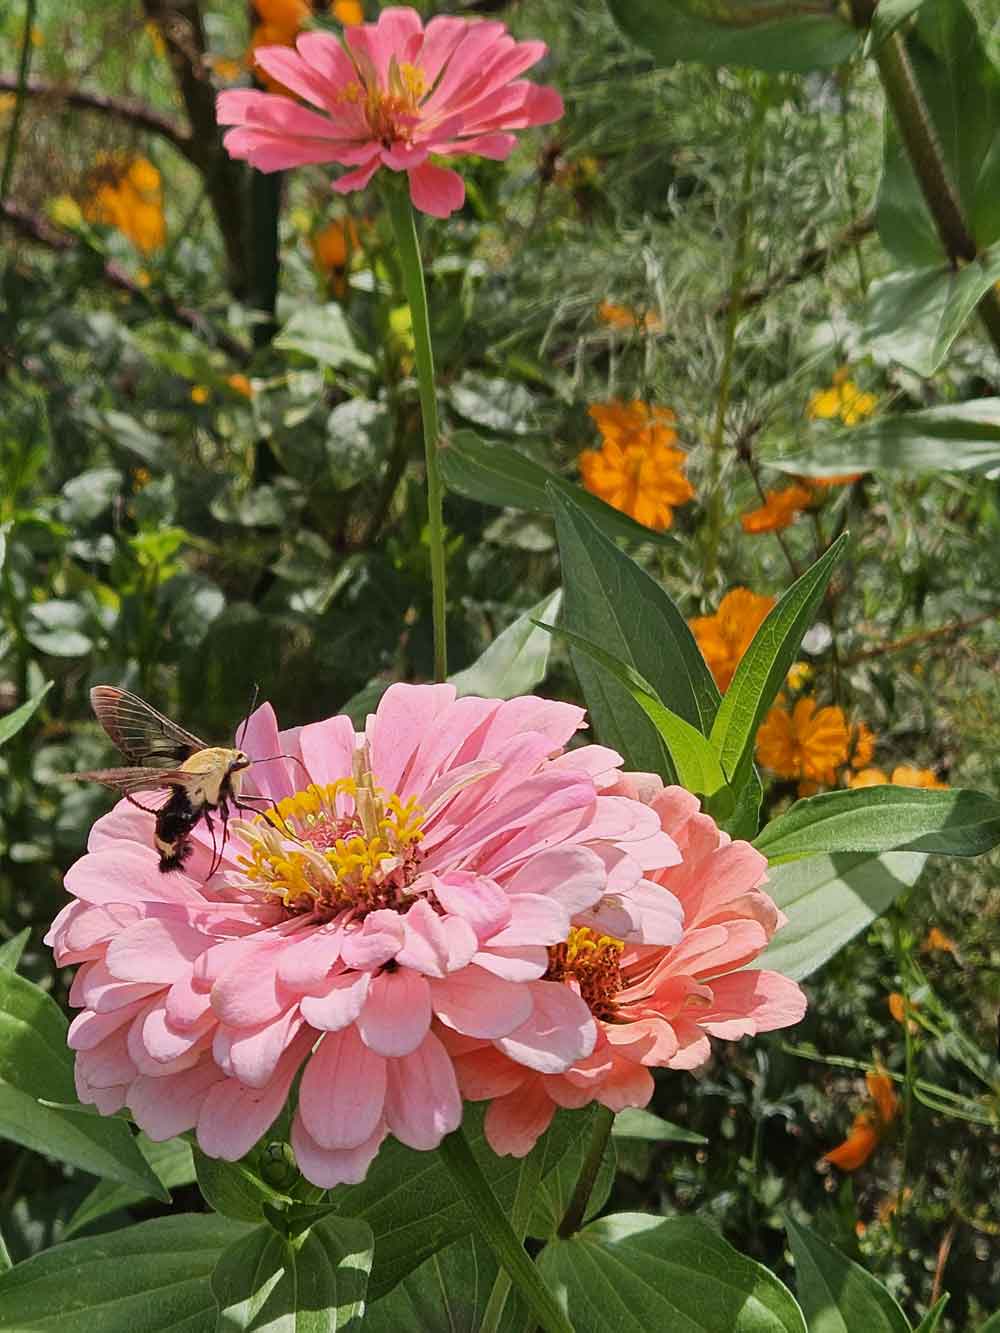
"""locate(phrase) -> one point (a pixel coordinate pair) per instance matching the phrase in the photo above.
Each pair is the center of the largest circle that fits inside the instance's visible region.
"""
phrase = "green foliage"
(836, 1294)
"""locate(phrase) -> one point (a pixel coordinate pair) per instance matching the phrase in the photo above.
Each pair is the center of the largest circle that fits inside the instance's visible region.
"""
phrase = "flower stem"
(577, 1208)
(499, 1235)
(405, 229)
(19, 96)
(528, 1180)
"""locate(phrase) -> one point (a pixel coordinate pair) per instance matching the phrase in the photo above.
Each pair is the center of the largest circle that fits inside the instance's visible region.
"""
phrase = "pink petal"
(328, 58)
(404, 715)
(572, 876)
(268, 776)
(422, 1103)
(166, 1107)
(477, 899)
(515, 1123)
(487, 1073)
(660, 915)
(533, 920)
(561, 1030)
(233, 1117)
(343, 1001)
(627, 1085)
(165, 1043)
(327, 1169)
(157, 949)
(396, 1014)
(248, 992)
(89, 1029)
(128, 873)
(525, 964)
(269, 151)
(749, 1002)
(327, 748)
(426, 948)
(480, 1005)
(436, 190)
(380, 938)
(251, 1055)
(342, 1091)
(306, 964)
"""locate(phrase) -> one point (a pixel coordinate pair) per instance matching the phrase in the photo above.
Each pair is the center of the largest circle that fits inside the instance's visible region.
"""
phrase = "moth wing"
(130, 780)
(142, 733)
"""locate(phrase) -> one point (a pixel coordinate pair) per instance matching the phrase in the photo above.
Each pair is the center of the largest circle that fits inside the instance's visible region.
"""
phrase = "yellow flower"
(629, 321)
(129, 196)
(199, 394)
(725, 637)
(37, 35)
(804, 743)
(778, 510)
(868, 777)
(636, 470)
(348, 12)
(799, 674)
(225, 69)
(904, 776)
(240, 384)
(825, 404)
(65, 211)
(842, 399)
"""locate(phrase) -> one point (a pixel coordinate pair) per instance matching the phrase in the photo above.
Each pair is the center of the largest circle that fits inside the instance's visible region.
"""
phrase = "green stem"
(405, 229)
(916, 130)
(496, 1230)
(19, 98)
(528, 1180)
(901, 953)
(577, 1208)
(850, 184)
(741, 253)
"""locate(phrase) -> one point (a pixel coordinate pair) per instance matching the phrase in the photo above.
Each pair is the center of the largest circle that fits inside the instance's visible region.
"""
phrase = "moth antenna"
(267, 759)
(246, 721)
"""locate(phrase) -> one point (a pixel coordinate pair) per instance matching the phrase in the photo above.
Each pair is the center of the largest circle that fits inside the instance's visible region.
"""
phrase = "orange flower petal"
(857, 1147)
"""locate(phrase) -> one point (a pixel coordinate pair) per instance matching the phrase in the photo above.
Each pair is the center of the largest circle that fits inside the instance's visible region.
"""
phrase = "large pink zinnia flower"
(655, 1006)
(406, 883)
(397, 94)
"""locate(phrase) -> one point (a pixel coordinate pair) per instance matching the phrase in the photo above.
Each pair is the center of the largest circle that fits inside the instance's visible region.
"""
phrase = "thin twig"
(944, 1250)
(809, 263)
(35, 228)
(121, 108)
(923, 636)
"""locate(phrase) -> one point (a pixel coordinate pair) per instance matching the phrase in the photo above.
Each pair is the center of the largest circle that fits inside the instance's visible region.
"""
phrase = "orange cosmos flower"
(725, 637)
(904, 776)
(240, 384)
(804, 742)
(129, 197)
(636, 470)
(900, 1007)
(863, 746)
(778, 510)
(629, 321)
(938, 941)
(869, 1125)
(348, 12)
(868, 777)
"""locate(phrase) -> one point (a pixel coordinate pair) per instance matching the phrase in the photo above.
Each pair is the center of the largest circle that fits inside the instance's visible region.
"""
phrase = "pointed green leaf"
(449, 1291)
(517, 659)
(836, 1294)
(637, 1124)
(13, 722)
(232, 1189)
(265, 1283)
(496, 474)
(12, 949)
(933, 1317)
(695, 762)
(610, 600)
(884, 819)
(778, 37)
(633, 1273)
(959, 437)
(172, 1164)
(764, 666)
(828, 900)
(35, 1062)
(914, 315)
(152, 1276)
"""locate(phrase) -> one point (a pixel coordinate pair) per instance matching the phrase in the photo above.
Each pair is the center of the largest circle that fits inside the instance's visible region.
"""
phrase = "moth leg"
(239, 804)
(144, 808)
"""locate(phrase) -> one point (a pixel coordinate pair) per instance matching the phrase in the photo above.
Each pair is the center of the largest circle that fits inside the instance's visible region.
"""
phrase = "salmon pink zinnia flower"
(654, 1006)
(403, 883)
(395, 95)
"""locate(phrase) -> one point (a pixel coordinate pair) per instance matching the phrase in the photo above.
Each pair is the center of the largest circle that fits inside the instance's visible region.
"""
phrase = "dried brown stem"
(924, 636)
(35, 228)
(121, 108)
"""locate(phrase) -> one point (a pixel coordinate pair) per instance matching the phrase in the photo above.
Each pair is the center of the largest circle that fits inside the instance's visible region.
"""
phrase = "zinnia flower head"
(395, 94)
(870, 1125)
(636, 468)
(400, 885)
(654, 1006)
(725, 637)
(805, 743)
(779, 509)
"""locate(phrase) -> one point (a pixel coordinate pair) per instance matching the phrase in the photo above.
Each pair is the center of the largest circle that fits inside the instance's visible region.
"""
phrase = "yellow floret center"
(594, 962)
(326, 848)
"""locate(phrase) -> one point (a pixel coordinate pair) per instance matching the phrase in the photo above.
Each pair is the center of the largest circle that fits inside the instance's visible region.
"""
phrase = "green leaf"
(836, 1294)
(56, 628)
(357, 442)
(610, 600)
(13, 722)
(763, 667)
(932, 1318)
(633, 1273)
(959, 437)
(409, 1201)
(889, 16)
(496, 474)
(315, 1285)
(695, 761)
(323, 333)
(450, 1290)
(152, 1276)
(884, 819)
(12, 949)
(557, 1188)
(35, 1062)
(914, 315)
(961, 91)
(517, 659)
(172, 1165)
(636, 1124)
(777, 37)
(232, 1189)
(828, 900)
(494, 404)
(87, 495)
(992, 1324)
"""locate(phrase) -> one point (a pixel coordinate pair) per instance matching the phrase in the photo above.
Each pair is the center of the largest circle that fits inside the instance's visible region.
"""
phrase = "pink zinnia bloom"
(655, 1006)
(396, 94)
(406, 883)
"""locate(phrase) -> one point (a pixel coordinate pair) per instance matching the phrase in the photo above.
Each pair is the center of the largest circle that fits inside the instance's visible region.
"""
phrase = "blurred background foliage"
(202, 491)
